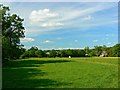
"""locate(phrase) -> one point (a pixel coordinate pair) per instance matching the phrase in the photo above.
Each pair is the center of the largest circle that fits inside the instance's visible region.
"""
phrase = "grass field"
(61, 73)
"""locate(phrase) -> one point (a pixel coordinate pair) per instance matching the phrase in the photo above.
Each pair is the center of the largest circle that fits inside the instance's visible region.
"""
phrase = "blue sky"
(64, 25)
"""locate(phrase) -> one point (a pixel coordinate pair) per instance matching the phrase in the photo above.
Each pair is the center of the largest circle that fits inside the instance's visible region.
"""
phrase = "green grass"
(61, 73)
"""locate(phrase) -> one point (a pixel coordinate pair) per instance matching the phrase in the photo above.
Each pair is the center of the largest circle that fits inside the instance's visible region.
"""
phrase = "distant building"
(47, 53)
(103, 54)
(86, 54)
(69, 56)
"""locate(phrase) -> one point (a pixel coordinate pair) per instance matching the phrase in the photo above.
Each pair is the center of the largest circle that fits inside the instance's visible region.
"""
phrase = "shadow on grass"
(33, 83)
(33, 63)
(27, 78)
(28, 74)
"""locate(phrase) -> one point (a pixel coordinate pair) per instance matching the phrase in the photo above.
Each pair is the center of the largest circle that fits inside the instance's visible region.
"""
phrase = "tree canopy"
(12, 31)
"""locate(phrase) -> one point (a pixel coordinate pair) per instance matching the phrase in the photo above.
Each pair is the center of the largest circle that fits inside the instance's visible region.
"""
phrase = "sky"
(63, 25)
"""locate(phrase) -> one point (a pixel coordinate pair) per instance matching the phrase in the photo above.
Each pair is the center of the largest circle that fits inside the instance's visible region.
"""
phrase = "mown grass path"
(61, 73)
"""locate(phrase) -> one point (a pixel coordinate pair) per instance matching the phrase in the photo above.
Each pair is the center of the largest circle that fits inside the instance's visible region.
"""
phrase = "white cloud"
(45, 18)
(30, 32)
(95, 40)
(109, 43)
(110, 34)
(69, 48)
(47, 41)
(42, 15)
(51, 24)
(83, 12)
(39, 47)
(26, 39)
(88, 17)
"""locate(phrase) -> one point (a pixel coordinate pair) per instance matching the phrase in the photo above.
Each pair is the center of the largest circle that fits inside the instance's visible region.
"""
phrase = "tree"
(81, 53)
(39, 53)
(116, 50)
(62, 53)
(98, 50)
(92, 53)
(68, 52)
(58, 53)
(87, 50)
(25, 54)
(12, 31)
(32, 51)
(52, 53)
(104, 48)
(109, 51)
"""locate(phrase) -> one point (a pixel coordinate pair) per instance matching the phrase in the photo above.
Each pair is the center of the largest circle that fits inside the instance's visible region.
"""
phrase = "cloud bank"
(45, 18)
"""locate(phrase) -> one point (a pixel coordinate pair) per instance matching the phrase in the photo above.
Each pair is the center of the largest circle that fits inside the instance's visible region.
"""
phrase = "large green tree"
(116, 50)
(12, 31)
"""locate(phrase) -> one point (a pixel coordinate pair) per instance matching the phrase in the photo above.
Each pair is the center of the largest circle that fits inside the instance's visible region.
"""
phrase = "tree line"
(97, 51)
